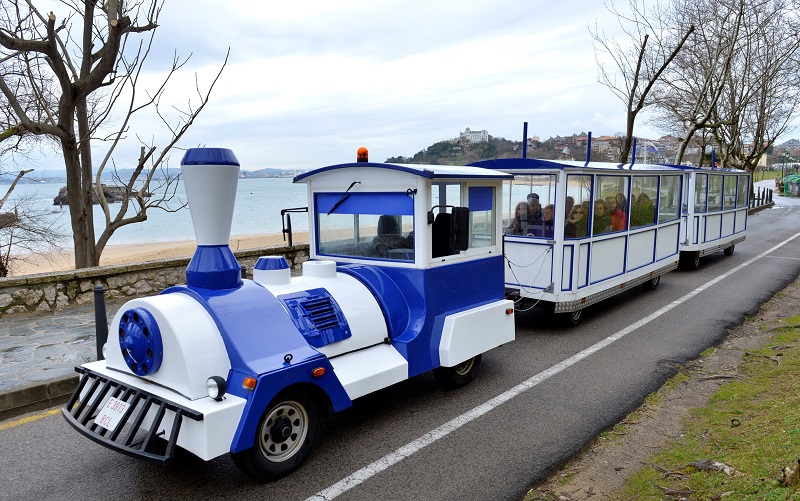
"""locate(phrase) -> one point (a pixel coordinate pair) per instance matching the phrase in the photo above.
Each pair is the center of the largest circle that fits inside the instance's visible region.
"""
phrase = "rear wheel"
(728, 251)
(284, 437)
(652, 283)
(690, 260)
(459, 375)
(572, 318)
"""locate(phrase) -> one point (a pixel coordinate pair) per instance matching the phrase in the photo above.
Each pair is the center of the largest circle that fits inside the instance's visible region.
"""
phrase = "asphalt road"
(535, 402)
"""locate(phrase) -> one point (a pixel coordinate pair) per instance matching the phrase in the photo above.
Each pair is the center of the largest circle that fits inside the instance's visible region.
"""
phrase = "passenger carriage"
(405, 276)
(716, 209)
(571, 251)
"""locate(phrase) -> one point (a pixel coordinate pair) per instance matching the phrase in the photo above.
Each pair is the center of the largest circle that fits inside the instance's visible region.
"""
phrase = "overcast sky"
(310, 81)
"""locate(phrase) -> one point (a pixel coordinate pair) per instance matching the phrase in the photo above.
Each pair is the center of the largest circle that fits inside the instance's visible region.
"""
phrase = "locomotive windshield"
(366, 225)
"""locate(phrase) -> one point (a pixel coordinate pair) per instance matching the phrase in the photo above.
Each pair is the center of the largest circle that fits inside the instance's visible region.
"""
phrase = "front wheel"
(284, 437)
(459, 375)
(728, 251)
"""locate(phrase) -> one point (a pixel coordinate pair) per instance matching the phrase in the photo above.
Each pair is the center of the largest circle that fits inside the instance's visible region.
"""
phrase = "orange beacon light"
(362, 155)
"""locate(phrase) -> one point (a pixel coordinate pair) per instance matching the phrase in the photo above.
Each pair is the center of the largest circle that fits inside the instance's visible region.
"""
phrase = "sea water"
(257, 211)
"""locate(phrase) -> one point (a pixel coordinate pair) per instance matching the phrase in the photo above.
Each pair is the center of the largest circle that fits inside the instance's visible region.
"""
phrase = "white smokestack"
(210, 176)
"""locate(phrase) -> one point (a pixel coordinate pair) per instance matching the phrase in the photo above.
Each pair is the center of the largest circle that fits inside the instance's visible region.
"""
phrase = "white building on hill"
(475, 136)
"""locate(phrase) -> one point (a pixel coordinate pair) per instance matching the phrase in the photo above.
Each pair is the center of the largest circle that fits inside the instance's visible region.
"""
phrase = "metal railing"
(761, 196)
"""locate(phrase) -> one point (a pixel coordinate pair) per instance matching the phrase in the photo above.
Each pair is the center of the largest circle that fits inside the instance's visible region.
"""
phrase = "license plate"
(111, 414)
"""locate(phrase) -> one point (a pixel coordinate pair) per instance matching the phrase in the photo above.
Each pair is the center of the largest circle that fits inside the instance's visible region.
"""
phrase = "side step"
(365, 371)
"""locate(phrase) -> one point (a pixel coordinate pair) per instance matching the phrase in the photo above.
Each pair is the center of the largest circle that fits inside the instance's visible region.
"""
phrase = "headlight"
(215, 386)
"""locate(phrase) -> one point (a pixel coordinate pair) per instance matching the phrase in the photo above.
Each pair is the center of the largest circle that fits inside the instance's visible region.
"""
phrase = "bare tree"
(688, 93)
(639, 60)
(78, 82)
(26, 232)
(25, 229)
(760, 100)
(736, 83)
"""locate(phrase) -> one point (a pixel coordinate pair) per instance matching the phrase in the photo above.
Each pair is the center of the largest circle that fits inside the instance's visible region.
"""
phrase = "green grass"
(751, 425)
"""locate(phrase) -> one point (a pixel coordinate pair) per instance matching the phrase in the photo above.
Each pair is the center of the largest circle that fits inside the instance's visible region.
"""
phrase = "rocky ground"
(600, 470)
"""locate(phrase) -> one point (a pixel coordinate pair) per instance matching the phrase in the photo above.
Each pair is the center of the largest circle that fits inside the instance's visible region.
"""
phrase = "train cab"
(405, 276)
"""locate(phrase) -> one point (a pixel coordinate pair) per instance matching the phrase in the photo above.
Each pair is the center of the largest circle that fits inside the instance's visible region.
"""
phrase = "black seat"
(440, 239)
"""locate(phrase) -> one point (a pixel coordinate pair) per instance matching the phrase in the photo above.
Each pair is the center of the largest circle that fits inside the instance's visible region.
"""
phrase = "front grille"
(128, 437)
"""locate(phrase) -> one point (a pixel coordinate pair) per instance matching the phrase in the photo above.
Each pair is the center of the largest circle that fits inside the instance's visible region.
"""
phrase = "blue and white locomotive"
(405, 276)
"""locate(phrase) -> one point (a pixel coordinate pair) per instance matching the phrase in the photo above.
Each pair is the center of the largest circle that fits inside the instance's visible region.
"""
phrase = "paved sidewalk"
(38, 355)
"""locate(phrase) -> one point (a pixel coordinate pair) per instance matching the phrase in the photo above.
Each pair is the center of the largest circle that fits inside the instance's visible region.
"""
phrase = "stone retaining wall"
(50, 291)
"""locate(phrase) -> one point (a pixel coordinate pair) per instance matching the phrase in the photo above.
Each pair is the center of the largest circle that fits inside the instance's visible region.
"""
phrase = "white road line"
(442, 431)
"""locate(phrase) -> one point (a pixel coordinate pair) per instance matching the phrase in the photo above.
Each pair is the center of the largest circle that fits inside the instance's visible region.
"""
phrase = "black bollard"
(244, 270)
(100, 320)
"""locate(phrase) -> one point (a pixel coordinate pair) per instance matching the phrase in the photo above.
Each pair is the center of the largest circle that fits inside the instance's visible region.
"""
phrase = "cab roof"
(427, 171)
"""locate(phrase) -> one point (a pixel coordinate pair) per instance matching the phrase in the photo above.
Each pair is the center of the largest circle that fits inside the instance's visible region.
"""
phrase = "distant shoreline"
(137, 253)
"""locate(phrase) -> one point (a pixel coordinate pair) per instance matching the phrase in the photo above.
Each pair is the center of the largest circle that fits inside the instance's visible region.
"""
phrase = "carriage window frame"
(743, 191)
(601, 193)
(581, 186)
(664, 199)
(730, 188)
(701, 193)
(715, 193)
(645, 186)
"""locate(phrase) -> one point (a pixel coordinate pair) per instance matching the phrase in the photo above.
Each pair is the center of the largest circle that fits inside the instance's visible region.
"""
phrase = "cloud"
(309, 82)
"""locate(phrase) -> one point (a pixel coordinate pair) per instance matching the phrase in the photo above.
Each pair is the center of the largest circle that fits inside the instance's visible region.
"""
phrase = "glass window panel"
(481, 213)
(700, 185)
(579, 190)
(714, 192)
(644, 193)
(445, 194)
(743, 191)
(669, 199)
(610, 209)
(537, 192)
(729, 200)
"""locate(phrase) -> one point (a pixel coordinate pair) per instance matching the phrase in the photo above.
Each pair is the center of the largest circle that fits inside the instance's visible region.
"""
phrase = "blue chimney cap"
(209, 156)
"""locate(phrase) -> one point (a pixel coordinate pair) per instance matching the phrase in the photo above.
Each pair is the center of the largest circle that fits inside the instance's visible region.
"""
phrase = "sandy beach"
(137, 253)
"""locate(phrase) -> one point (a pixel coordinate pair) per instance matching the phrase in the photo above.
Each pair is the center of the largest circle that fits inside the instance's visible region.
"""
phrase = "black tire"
(571, 318)
(459, 375)
(285, 435)
(652, 284)
(728, 251)
(690, 260)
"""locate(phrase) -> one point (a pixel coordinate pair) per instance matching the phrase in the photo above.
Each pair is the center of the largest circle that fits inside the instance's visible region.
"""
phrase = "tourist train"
(413, 268)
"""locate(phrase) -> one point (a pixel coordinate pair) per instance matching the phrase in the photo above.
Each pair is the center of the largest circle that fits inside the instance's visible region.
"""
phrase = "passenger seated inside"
(618, 217)
(535, 206)
(522, 222)
(643, 212)
(576, 225)
(601, 223)
(548, 218)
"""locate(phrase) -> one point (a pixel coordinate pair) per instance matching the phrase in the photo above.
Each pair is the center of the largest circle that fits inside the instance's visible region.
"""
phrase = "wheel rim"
(283, 432)
(464, 367)
(696, 260)
(654, 282)
(575, 316)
